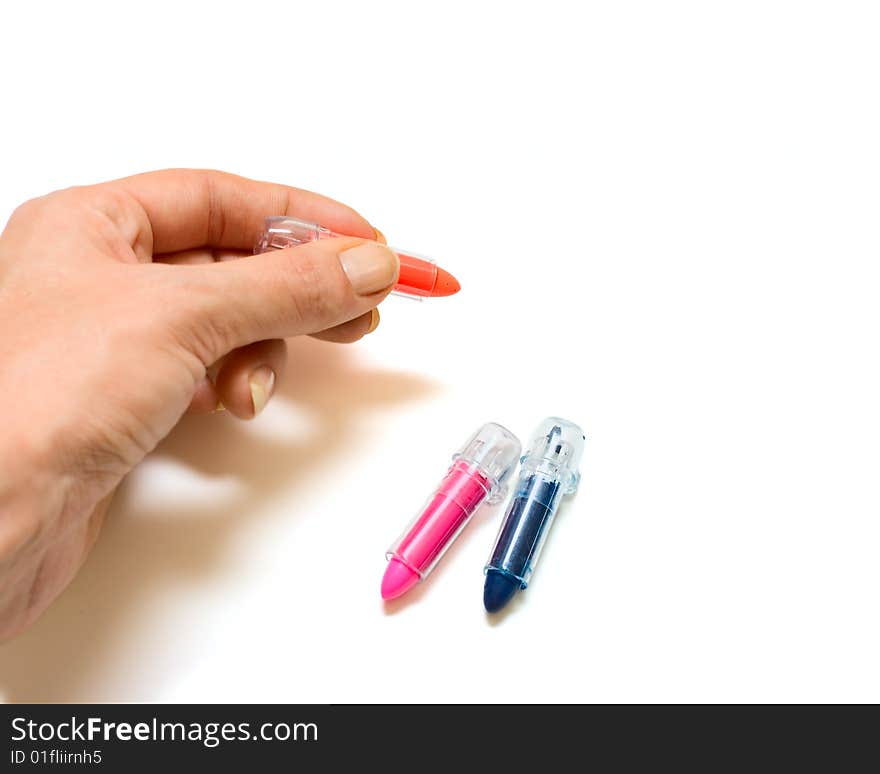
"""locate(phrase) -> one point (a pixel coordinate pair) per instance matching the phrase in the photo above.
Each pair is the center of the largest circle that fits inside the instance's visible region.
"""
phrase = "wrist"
(31, 496)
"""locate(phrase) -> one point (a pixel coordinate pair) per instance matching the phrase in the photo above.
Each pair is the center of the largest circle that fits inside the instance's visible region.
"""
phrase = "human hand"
(117, 301)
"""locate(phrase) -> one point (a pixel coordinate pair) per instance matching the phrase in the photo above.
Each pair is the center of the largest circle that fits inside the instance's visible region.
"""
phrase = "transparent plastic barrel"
(478, 474)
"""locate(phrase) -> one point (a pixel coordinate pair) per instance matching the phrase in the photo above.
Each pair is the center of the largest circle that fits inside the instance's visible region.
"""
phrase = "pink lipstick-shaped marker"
(478, 474)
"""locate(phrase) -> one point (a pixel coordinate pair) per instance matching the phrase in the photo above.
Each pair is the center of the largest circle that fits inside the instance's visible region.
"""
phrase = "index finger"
(189, 208)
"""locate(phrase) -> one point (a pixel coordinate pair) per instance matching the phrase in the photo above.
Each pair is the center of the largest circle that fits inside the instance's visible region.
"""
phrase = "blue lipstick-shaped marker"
(549, 471)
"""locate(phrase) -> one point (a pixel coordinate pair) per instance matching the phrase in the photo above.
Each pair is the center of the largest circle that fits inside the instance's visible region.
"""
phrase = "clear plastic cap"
(280, 231)
(556, 450)
(494, 450)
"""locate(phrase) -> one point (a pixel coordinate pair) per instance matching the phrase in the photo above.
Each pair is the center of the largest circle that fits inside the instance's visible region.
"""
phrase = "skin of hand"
(121, 308)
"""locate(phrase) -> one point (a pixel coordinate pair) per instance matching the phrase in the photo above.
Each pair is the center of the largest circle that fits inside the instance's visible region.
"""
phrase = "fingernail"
(261, 381)
(380, 237)
(370, 267)
(374, 320)
(218, 408)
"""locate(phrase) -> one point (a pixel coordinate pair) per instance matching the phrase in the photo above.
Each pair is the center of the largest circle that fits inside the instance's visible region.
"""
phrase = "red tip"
(422, 278)
(446, 284)
(398, 579)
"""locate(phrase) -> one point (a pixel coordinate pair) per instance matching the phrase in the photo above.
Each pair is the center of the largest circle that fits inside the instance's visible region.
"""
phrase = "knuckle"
(194, 324)
(119, 210)
(30, 210)
(317, 289)
(216, 213)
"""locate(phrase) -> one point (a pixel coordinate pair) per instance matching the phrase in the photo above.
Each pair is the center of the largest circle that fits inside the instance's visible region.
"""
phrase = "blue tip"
(498, 591)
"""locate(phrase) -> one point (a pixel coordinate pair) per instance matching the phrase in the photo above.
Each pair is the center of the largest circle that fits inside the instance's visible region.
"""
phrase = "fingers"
(201, 255)
(248, 377)
(217, 307)
(235, 385)
(345, 333)
(204, 399)
(351, 331)
(189, 208)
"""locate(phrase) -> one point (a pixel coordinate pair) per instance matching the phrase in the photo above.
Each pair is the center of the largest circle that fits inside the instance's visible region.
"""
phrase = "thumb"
(280, 293)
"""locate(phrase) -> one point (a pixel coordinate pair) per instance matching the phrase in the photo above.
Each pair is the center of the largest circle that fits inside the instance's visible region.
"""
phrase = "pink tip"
(398, 579)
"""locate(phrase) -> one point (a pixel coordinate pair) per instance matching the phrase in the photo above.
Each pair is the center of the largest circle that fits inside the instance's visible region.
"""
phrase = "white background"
(665, 220)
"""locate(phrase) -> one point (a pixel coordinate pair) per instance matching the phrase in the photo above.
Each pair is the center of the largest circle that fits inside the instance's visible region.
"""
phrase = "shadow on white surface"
(87, 633)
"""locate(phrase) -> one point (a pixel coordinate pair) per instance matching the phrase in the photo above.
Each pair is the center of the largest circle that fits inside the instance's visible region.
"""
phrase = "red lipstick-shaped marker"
(478, 474)
(419, 277)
